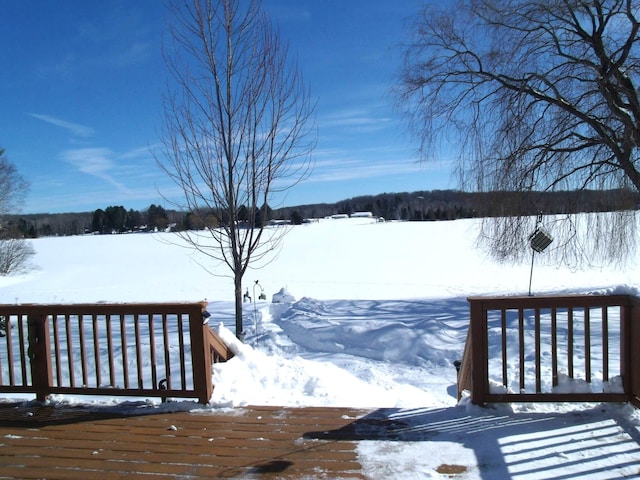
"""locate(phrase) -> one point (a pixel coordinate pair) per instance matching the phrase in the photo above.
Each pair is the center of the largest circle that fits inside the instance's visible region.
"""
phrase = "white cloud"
(96, 162)
(357, 118)
(74, 128)
(139, 152)
(334, 165)
(134, 54)
(354, 170)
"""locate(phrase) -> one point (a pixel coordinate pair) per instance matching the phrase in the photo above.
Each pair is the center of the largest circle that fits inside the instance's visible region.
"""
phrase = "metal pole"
(533, 256)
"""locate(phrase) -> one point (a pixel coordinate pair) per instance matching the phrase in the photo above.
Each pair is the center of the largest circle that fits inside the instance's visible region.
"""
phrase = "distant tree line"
(414, 206)
(116, 219)
(452, 204)
(113, 219)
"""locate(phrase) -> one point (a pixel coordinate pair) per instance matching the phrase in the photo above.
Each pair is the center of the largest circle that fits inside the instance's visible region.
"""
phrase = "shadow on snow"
(600, 442)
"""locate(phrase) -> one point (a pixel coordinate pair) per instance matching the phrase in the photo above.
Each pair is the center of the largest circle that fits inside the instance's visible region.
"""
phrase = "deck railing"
(553, 348)
(158, 350)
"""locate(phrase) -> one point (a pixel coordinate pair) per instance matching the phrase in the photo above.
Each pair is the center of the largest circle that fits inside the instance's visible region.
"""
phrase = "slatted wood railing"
(553, 348)
(161, 350)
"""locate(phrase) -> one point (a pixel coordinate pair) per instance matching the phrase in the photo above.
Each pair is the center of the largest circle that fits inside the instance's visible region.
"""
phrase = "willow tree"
(540, 95)
(238, 127)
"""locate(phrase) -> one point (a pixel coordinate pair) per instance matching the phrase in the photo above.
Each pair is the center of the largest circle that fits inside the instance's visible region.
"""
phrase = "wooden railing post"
(200, 356)
(40, 355)
(479, 356)
(631, 339)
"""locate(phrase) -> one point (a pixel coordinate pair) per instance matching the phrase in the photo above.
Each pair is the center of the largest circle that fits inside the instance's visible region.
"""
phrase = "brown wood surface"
(62, 442)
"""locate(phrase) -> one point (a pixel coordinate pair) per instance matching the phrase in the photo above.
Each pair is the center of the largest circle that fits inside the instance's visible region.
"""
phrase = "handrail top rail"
(103, 308)
(554, 301)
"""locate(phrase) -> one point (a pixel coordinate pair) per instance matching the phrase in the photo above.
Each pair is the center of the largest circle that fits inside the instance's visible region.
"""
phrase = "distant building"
(279, 223)
(361, 215)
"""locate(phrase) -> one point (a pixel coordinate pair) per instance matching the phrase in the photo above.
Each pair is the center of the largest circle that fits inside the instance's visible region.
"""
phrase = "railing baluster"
(537, 347)
(167, 352)
(56, 345)
(521, 346)
(112, 368)
(67, 326)
(587, 344)
(183, 374)
(83, 350)
(23, 356)
(96, 350)
(154, 373)
(10, 360)
(570, 342)
(124, 346)
(605, 344)
(554, 346)
(503, 322)
(136, 326)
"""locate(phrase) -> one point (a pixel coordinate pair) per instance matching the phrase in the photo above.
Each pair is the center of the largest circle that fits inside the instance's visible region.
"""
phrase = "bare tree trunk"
(238, 309)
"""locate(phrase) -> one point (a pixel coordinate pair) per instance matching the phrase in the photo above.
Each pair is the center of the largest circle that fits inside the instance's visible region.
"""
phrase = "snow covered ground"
(373, 316)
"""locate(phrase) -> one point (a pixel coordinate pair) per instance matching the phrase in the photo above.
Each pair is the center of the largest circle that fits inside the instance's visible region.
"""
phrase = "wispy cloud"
(353, 170)
(334, 165)
(75, 128)
(134, 54)
(139, 152)
(96, 162)
(359, 119)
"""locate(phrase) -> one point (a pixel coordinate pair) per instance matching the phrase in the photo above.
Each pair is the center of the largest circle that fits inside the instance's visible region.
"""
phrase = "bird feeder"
(539, 240)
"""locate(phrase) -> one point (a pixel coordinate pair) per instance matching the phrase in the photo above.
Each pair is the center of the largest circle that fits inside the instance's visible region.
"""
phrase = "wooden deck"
(55, 442)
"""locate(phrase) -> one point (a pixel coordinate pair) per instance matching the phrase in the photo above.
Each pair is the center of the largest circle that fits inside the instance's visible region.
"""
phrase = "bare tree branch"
(539, 94)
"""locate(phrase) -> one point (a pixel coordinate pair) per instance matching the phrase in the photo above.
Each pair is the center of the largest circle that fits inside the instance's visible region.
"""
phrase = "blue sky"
(82, 83)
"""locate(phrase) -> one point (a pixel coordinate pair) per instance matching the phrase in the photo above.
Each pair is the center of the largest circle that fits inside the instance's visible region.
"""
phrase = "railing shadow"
(507, 444)
(35, 414)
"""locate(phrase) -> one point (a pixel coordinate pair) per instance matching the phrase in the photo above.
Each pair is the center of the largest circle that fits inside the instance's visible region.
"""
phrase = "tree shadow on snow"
(404, 331)
(601, 442)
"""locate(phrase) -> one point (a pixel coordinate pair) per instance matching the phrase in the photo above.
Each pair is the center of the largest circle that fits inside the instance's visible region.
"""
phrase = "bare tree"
(15, 254)
(14, 250)
(13, 186)
(540, 95)
(238, 127)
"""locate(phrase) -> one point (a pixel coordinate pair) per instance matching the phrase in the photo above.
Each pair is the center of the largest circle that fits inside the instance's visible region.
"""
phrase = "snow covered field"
(375, 315)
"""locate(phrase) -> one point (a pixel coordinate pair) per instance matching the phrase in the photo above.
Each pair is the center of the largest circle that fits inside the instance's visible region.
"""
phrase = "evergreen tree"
(98, 221)
(296, 218)
(157, 217)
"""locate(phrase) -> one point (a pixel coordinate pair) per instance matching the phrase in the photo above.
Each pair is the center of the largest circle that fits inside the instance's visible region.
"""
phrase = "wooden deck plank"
(258, 442)
(35, 439)
(79, 449)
